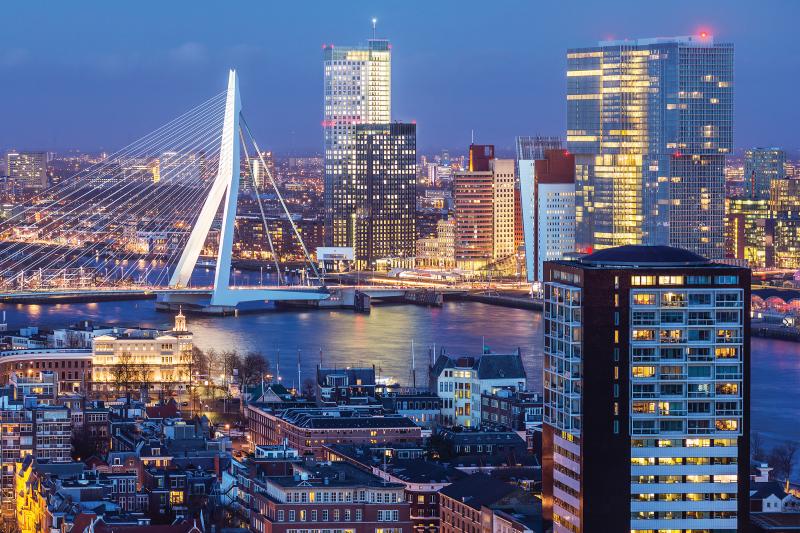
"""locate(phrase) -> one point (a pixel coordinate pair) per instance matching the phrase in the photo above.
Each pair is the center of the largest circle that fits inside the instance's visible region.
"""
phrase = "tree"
(782, 459)
(229, 361)
(757, 447)
(252, 368)
(143, 375)
(123, 374)
(309, 389)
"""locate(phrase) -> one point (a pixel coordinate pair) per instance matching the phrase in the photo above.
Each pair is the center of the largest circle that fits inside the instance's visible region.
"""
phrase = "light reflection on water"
(383, 338)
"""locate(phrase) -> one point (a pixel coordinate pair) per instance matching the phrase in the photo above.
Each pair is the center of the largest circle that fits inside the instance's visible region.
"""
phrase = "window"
(280, 516)
(670, 280)
(642, 298)
(727, 280)
(291, 516)
(324, 515)
(639, 281)
(643, 371)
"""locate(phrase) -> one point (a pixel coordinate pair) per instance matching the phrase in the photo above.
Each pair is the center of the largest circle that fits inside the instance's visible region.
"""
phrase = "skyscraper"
(547, 187)
(761, 166)
(28, 169)
(650, 122)
(534, 147)
(357, 90)
(646, 392)
(385, 191)
(483, 196)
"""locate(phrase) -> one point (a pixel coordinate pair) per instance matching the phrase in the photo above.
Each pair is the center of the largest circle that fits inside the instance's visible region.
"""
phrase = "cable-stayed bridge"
(140, 219)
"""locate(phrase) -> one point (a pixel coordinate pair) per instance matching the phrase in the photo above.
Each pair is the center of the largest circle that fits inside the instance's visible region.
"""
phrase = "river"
(384, 337)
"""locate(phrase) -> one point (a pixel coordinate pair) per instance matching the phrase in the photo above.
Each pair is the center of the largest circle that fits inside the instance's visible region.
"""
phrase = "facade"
(483, 197)
(749, 223)
(143, 361)
(662, 393)
(308, 430)
(72, 367)
(423, 408)
(357, 90)
(459, 382)
(761, 167)
(421, 478)
(650, 122)
(28, 169)
(481, 503)
(332, 497)
(515, 410)
(343, 386)
(438, 250)
(382, 192)
(547, 187)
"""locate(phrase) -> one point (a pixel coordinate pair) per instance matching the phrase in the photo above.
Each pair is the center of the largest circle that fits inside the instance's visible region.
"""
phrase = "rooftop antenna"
(374, 26)
(472, 136)
(413, 367)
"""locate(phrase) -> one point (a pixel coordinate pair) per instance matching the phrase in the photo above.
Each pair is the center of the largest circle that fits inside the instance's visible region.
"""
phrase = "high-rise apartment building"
(384, 191)
(28, 169)
(650, 122)
(483, 196)
(547, 186)
(761, 166)
(357, 89)
(646, 392)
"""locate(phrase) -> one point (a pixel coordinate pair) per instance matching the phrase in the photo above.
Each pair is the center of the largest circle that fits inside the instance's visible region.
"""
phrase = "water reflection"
(383, 338)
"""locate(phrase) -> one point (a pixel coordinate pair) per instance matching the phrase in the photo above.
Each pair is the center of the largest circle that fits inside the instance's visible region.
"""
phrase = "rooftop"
(636, 255)
(478, 490)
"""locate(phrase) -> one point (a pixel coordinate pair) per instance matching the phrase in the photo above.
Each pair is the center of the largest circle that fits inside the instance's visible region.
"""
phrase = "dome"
(641, 255)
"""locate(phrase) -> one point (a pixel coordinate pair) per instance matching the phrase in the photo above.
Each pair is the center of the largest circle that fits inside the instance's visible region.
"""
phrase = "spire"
(180, 320)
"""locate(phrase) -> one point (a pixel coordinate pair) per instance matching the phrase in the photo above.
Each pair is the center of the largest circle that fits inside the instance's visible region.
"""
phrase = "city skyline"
(102, 98)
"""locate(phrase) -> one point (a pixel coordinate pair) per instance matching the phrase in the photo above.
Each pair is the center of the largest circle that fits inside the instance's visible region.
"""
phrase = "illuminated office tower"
(483, 196)
(761, 166)
(357, 89)
(28, 169)
(650, 122)
(646, 393)
(385, 192)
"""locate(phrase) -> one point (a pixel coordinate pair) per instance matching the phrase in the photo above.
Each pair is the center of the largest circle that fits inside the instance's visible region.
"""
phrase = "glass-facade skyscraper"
(385, 180)
(650, 122)
(761, 166)
(357, 91)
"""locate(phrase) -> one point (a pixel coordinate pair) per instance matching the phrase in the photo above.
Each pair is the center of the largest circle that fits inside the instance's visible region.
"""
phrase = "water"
(383, 338)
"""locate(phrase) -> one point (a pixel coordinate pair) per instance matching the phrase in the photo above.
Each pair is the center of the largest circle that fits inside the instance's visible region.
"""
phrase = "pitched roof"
(478, 490)
(765, 489)
(488, 366)
(500, 366)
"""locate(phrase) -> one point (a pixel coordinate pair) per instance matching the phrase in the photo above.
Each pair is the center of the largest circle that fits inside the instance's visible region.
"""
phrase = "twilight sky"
(99, 74)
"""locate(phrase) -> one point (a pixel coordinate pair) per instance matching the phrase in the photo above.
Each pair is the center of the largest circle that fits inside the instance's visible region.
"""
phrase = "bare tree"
(229, 361)
(252, 368)
(782, 459)
(757, 447)
(309, 389)
(143, 375)
(123, 374)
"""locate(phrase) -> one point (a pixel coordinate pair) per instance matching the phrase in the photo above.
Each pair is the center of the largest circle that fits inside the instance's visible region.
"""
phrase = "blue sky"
(98, 74)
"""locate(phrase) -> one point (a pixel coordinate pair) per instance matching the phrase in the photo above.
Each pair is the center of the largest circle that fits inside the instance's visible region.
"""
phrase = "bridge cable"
(260, 206)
